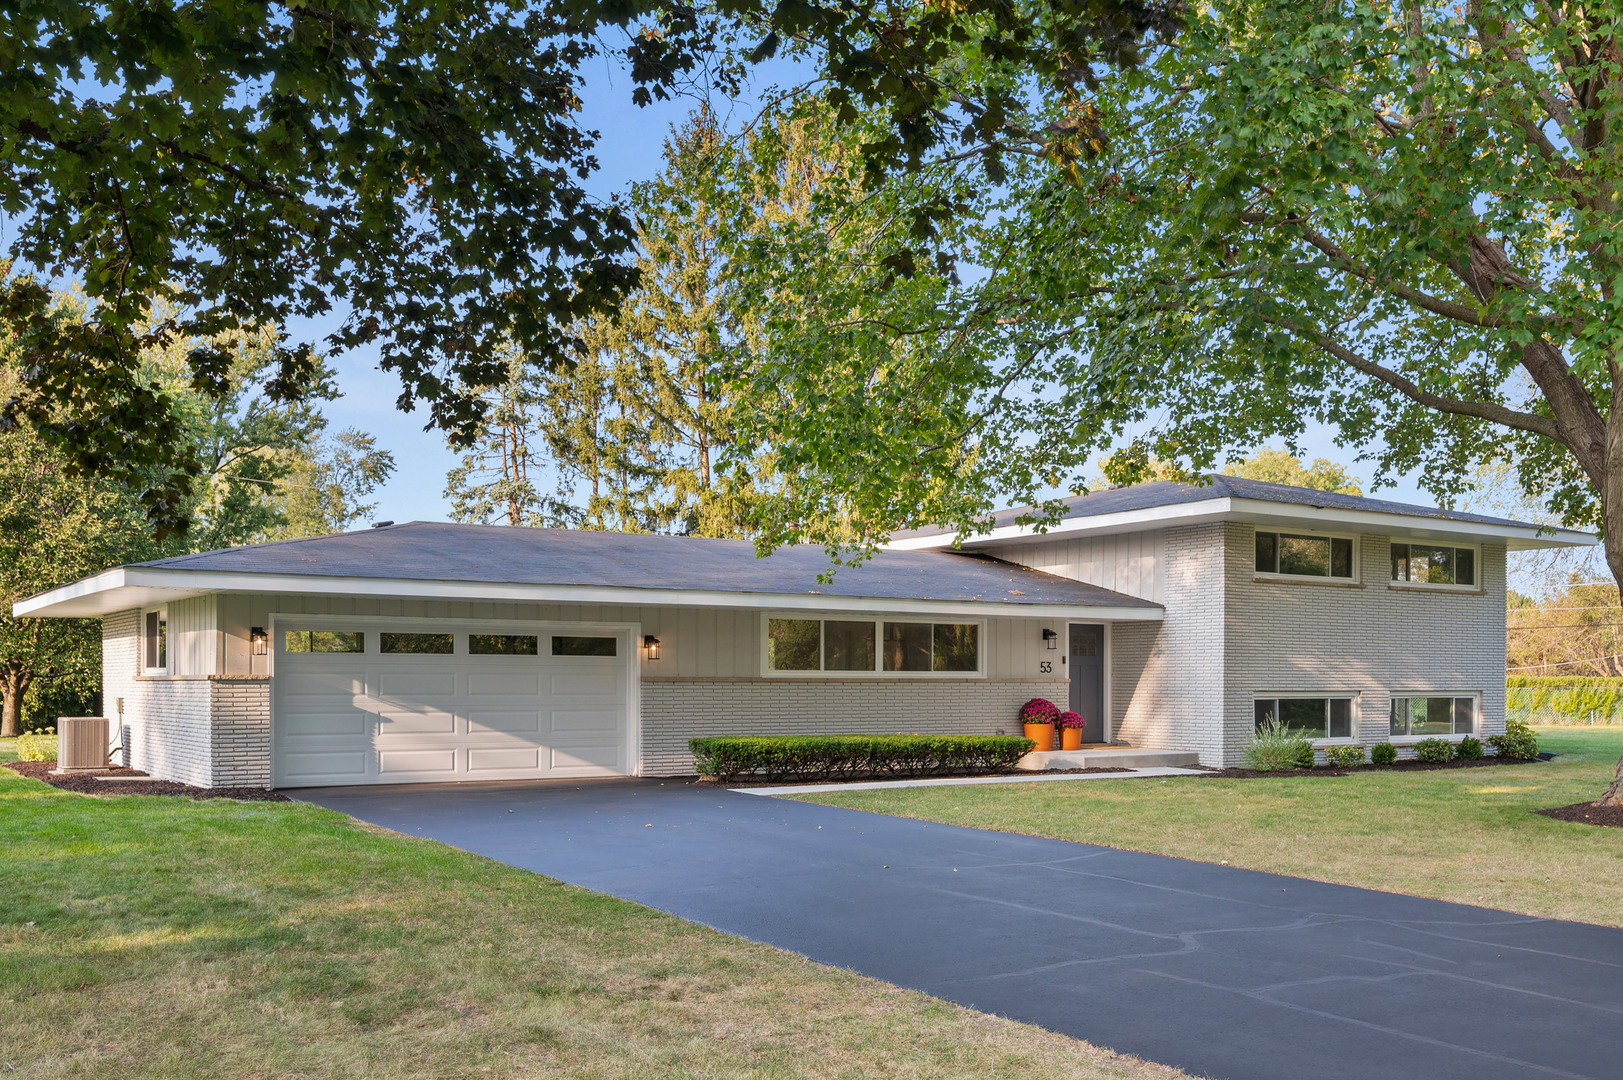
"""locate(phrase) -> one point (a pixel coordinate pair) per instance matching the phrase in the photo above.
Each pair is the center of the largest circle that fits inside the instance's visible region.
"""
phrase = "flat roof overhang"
(126, 587)
(1267, 512)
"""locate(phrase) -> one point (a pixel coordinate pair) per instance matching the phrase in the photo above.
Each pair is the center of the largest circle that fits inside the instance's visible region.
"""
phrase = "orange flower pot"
(1070, 738)
(1042, 735)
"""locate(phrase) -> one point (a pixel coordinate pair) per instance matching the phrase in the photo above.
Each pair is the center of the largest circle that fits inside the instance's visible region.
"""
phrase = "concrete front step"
(1108, 757)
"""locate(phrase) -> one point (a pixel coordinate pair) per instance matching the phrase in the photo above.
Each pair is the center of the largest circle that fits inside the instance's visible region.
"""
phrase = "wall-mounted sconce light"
(259, 641)
(1050, 638)
(651, 644)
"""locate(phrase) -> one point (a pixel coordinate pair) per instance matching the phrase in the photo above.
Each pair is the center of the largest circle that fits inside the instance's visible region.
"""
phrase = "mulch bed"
(1588, 813)
(86, 784)
(1402, 766)
(704, 782)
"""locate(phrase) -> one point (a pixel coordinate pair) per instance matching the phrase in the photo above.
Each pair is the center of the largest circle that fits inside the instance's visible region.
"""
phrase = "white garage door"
(382, 703)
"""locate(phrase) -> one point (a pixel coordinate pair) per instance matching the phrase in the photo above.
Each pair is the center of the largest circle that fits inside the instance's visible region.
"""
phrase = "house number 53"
(1046, 667)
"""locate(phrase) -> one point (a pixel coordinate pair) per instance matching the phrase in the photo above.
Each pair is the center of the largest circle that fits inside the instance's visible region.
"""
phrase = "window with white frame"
(1316, 718)
(155, 641)
(1434, 564)
(1431, 716)
(878, 646)
(1300, 555)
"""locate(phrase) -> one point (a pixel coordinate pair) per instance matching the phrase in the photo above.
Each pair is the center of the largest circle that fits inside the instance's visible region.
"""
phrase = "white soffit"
(1267, 512)
(129, 587)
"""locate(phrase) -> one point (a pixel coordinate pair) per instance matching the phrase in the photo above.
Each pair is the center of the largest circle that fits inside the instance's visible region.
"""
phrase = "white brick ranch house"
(1170, 616)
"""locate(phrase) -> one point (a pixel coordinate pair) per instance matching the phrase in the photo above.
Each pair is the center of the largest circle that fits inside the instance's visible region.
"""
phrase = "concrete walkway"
(1221, 971)
(960, 781)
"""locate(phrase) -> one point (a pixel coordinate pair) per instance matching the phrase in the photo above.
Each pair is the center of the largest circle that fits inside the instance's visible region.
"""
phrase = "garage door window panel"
(323, 641)
(563, 645)
(503, 645)
(417, 644)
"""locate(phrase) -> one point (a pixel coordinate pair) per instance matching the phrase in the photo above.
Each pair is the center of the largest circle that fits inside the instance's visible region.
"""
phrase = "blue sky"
(629, 151)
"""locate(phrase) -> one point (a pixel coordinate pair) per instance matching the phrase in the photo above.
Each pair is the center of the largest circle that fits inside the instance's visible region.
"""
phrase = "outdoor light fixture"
(259, 640)
(651, 643)
(1050, 638)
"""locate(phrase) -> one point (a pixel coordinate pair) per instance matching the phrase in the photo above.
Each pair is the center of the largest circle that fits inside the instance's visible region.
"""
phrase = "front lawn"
(157, 937)
(1467, 835)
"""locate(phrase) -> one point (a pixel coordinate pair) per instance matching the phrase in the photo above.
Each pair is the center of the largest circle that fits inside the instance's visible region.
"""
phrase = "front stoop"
(1108, 757)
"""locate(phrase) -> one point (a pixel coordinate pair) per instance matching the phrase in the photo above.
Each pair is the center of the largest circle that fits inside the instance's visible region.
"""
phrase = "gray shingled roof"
(1158, 493)
(435, 551)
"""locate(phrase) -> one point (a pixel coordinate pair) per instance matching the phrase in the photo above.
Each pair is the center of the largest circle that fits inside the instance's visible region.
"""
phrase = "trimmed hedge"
(1553, 699)
(850, 757)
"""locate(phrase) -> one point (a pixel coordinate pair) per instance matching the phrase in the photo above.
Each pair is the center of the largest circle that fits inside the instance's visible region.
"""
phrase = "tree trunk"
(11, 706)
(1612, 521)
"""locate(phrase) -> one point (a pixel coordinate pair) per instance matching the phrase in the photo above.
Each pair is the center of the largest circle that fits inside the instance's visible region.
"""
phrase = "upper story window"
(872, 646)
(156, 641)
(1434, 564)
(1302, 556)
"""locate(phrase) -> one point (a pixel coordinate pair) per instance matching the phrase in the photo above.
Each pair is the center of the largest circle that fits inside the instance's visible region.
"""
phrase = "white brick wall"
(195, 729)
(1370, 640)
(240, 735)
(675, 711)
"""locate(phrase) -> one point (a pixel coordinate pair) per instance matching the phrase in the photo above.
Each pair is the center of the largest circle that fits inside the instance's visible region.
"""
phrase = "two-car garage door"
(375, 702)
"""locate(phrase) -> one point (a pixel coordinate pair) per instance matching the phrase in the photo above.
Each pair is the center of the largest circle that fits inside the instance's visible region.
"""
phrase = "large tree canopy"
(1397, 219)
(413, 169)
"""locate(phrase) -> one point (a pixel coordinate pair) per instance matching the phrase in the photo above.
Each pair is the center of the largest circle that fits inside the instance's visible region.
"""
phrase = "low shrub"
(1039, 711)
(1433, 751)
(1518, 741)
(1469, 749)
(1383, 753)
(1344, 757)
(1070, 720)
(36, 746)
(1273, 746)
(850, 757)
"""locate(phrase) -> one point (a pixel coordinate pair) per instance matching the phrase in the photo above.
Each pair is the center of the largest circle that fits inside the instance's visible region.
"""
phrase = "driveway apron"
(1223, 972)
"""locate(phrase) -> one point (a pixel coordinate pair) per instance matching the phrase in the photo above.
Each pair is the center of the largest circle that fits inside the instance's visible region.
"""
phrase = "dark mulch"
(1402, 766)
(87, 784)
(708, 782)
(1588, 813)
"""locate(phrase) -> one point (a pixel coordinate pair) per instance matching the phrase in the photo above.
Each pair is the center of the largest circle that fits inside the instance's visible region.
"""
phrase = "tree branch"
(1482, 410)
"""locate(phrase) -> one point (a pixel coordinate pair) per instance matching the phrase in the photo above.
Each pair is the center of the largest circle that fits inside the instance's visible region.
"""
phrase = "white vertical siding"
(194, 642)
(1130, 563)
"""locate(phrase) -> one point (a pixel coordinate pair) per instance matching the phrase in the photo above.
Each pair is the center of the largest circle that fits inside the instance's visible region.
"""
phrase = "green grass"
(164, 938)
(1466, 835)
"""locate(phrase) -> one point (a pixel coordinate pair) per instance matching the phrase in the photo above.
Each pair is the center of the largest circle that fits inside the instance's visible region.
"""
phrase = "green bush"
(1469, 749)
(1273, 746)
(1383, 753)
(1433, 751)
(1344, 757)
(36, 747)
(1518, 741)
(851, 757)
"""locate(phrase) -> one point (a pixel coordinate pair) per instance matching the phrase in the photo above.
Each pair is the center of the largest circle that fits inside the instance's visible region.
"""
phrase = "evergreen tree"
(633, 432)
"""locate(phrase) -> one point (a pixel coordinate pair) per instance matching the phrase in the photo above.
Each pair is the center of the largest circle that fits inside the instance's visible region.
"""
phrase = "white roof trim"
(135, 586)
(1267, 511)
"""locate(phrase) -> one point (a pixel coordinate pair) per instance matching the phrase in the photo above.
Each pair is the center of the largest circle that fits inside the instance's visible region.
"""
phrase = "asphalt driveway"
(1221, 971)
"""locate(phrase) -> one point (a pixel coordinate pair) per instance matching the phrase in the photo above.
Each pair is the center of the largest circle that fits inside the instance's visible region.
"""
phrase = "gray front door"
(1087, 680)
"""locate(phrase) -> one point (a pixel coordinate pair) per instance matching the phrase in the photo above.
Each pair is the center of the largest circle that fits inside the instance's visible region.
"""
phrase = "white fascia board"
(118, 590)
(1264, 511)
(1194, 513)
(1515, 537)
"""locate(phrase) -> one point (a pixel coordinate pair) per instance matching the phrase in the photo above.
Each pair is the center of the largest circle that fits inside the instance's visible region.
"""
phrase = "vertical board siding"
(1129, 563)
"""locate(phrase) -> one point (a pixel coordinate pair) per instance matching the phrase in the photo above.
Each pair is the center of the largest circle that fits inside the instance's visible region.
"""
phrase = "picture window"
(1311, 718)
(1297, 555)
